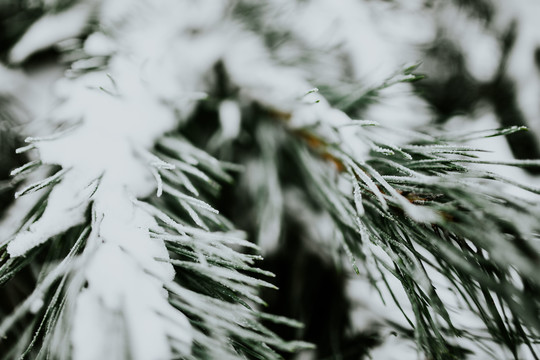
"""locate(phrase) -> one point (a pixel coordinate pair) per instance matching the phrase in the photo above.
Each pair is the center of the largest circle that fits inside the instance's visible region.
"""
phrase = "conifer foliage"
(184, 135)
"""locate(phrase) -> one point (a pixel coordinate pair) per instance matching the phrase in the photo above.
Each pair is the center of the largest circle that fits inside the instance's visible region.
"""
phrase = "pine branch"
(125, 240)
(111, 256)
(412, 199)
(427, 210)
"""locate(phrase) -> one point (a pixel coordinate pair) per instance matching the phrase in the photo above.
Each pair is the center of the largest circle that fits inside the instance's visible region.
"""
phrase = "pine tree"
(190, 137)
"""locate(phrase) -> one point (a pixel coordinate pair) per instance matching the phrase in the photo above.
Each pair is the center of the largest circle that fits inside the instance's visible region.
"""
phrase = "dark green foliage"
(422, 199)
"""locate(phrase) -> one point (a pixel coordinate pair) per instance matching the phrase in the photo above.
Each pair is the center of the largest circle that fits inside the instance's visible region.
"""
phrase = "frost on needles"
(137, 263)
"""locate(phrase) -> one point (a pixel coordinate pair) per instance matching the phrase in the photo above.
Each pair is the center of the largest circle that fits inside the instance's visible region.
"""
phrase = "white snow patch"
(123, 277)
(398, 107)
(496, 149)
(99, 44)
(230, 118)
(36, 305)
(10, 80)
(65, 209)
(51, 29)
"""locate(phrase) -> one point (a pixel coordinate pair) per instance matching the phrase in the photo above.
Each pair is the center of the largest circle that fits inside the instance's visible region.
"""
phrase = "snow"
(398, 107)
(121, 114)
(230, 118)
(119, 283)
(354, 30)
(65, 210)
(102, 144)
(262, 183)
(51, 29)
(521, 64)
(249, 65)
(162, 54)
(36, 305)
(481, 49)
(12, 80)
(98, 44)
(496, 149)
(90, 313)
(117, 273)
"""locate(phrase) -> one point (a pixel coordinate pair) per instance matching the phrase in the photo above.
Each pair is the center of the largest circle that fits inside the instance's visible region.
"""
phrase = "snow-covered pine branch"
(118, 276)
(124, 227)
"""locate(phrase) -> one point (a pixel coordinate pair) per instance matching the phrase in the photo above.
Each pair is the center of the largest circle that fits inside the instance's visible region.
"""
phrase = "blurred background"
(481, 62)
